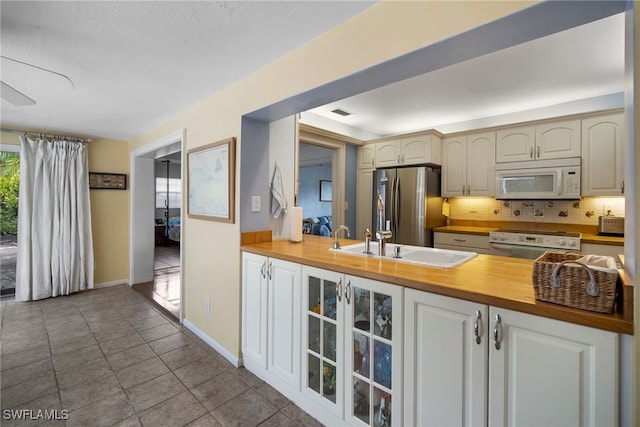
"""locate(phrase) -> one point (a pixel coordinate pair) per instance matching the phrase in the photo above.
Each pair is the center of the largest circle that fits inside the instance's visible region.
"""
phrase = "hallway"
(165, 288)
(109, 357)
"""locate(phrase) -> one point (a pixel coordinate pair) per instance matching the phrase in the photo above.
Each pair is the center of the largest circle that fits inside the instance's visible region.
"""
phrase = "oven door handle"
(501, 246)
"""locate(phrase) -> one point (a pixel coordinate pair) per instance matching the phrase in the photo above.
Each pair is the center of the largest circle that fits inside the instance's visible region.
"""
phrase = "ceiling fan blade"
(14, 96)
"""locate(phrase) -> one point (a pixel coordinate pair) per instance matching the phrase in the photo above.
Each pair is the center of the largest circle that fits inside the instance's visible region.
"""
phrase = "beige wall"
(109, 208)
(110, 213)
(389, 29)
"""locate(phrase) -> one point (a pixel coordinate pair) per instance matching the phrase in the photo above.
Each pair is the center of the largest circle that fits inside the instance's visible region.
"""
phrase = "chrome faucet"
(336, 244)
(381, 234)
(367, 241)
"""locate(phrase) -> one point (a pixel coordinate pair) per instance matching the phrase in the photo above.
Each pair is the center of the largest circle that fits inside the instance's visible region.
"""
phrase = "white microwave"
(540, 179)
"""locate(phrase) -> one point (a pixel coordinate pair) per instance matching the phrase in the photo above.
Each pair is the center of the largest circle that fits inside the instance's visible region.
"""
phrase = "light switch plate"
(256, 202)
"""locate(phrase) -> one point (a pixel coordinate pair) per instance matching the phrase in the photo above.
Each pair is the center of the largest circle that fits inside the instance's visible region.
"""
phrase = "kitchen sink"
(443, 258)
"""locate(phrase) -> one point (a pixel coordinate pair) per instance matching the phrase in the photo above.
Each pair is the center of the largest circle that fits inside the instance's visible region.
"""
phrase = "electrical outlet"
(256, 201)
(207, 305)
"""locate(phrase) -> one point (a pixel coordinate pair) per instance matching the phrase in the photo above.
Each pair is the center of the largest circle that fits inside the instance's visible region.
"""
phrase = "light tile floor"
(110, 358)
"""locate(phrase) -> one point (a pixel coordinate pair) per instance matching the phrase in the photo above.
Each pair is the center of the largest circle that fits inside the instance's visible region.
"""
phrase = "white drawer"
(461, 240)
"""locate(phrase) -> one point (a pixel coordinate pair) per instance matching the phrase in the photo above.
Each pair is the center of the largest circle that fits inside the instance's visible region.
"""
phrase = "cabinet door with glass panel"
(323, 350)
(373, 345)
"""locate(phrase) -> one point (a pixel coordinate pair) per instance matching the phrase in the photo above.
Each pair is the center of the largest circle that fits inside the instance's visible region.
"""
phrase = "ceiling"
(578, 70)
(137, 64)
(134, 64)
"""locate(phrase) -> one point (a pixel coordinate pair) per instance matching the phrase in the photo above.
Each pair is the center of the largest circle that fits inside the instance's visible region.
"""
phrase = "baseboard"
(112, 283)
(235, 361)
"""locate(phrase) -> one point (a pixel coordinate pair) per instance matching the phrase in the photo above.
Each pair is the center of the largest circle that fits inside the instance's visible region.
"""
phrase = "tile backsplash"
(585, 211)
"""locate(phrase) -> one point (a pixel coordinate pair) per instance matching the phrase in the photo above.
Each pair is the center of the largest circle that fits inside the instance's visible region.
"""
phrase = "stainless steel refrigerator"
(412, 203)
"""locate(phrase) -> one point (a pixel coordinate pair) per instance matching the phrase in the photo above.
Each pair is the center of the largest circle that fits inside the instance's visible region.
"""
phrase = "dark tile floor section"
(110, 358)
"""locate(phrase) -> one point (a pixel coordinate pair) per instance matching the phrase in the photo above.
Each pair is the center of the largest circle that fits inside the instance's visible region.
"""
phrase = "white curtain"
(55, 245)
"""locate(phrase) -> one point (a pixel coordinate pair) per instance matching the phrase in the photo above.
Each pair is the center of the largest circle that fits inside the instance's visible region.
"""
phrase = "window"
(175, 192)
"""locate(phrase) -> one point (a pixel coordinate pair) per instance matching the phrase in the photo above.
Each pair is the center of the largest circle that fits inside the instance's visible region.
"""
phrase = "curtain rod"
(47, 135)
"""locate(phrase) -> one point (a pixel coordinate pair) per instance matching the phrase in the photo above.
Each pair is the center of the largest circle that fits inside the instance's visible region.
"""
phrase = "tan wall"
(110, 213)
(109, 208)
(386, 30)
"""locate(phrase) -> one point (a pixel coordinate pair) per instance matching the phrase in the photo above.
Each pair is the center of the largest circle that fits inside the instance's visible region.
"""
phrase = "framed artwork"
(325, 191)
(107, 181)
(211, 181)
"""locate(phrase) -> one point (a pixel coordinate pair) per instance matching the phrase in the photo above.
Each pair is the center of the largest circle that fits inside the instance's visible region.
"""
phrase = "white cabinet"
(254, 308)
(271, 311)
(409, 150)
(364, 201)
(547, 372)
(352, 347)
(603, 155)
(366, 156)
(554, 139)
(445, 367)
(463, 367)
(468, 165)
(462, 242)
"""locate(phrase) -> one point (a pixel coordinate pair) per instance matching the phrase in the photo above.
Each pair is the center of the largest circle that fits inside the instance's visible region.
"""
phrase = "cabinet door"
(515, 144)
(547, 372)
(388, 153)
(603, 155)
(364, 200)
(445, 365)
(254, 308)
(366, 156)
(373, 346)
(454, 166)
(323, 338)
(421, 149)
(284, 324)
(557, 140)
(481, 164)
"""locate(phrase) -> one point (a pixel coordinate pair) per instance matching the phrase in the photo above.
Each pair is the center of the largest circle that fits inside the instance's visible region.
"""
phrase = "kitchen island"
(358, 340)
(493, 280)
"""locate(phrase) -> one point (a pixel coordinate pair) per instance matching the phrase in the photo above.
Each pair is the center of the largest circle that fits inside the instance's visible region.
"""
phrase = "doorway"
(156, 222)
(9, 187)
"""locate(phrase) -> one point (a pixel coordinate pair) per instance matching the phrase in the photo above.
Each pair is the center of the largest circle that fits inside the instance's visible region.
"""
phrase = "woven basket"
(560, 280)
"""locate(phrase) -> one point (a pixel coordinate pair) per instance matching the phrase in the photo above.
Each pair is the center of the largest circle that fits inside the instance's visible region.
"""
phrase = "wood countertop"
(487, 279)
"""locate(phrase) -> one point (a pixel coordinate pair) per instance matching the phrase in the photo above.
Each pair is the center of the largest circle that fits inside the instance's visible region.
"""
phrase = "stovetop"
(538, 238)
(543, 232)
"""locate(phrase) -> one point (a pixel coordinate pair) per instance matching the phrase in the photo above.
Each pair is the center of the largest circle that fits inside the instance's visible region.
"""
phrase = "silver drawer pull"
(347, 292)
(497, 332)
(477, 327)
(460, 240)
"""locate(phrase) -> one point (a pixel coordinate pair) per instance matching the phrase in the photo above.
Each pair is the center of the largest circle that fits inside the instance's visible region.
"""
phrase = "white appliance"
(540, 179)
(531, 244)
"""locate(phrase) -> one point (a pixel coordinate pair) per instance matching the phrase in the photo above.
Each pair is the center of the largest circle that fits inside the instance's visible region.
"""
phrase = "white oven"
(540, 179)
(531, 244)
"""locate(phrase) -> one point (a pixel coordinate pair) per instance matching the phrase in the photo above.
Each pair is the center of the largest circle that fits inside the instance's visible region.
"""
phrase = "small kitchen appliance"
(531, 244)
(611, 225)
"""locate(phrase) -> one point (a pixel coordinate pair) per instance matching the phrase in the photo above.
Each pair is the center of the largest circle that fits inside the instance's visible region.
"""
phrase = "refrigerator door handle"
(396, 207)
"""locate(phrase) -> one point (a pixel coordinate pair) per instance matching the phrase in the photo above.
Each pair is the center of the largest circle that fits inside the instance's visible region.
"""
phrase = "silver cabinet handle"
(262, 270)
(477, 327)
(347, 292)
(398, 158)
(403, 158)
(269, 270)
(460, 240)
(531, 152)
(468, 190)
(622, 187)
(339, 289)
(497, 332)
(538, 151)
